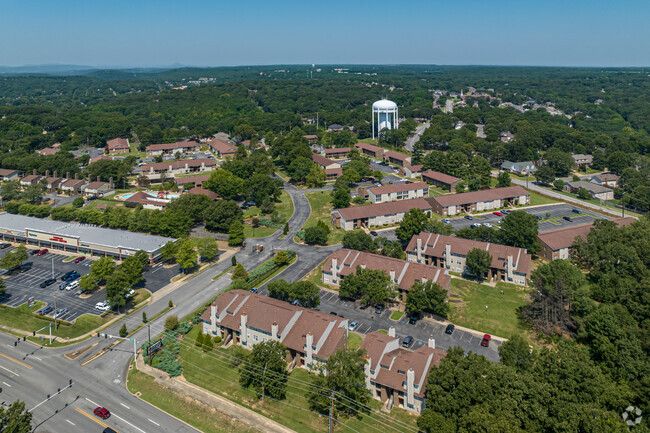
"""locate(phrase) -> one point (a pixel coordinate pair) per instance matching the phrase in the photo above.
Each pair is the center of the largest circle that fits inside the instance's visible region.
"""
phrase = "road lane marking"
(125, 406)
(7, 384)
(36, 357)
(16, 361)
(70, 422)
(123, 420)
(91, 417)
(91, 401)
(153, 422)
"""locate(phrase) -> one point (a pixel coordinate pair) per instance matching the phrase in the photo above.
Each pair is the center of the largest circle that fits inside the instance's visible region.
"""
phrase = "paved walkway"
(241, 413)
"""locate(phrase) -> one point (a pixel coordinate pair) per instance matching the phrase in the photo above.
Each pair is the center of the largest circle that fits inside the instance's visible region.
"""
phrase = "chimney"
(418, 249)
(243, 329)
(90, 178)
(392, 275)
(448, 255)
(99, 178)
(391, 331)
(110, 183)
(410, 382)
(424, 280)
(309, 351)
(34, 172)
(366, 370)
(47, 173)
(334, 269)
(67, 175)
(56, 174)
(274, 330)
(76, 176)
(509, 270)
(432, 342)
(213, 314)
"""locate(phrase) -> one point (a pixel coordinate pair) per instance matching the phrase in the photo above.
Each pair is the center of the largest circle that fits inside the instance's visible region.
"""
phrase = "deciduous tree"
(478, 262)
(266, 371)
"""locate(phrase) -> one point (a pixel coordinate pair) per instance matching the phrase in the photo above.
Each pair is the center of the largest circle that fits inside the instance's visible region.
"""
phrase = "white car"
(445, 221)
(488, 225)
(102, 306)
(129, 294)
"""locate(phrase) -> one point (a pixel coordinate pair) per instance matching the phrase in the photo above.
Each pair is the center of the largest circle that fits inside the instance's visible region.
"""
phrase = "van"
(72, 285)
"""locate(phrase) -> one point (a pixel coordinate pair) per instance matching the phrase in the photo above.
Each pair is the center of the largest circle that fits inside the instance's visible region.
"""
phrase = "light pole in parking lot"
(52, 266)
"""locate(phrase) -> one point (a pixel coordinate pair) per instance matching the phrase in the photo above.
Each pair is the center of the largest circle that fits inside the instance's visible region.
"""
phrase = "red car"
(497, 213)
(42, 252)
(102, 412)
(486, 340)
(79, 259)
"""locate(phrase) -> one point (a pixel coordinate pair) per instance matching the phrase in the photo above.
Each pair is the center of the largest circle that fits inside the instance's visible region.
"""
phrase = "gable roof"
(373, 210)
(593, 188)
(222, 147)
(396, 155)
(564, 237)
(321, 160)
(171, 146)
(369, 147)
(606, 177)
(206, 192)
(337, 150)
(479, 196)
(165, 165)
(143, 198)
(440, 177)
(95, 185)
(389, 189)
(117, 143)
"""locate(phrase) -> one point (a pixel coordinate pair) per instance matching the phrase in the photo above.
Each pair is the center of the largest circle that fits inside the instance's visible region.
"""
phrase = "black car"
(333, 313)
(568, 218)
(4, 245)
(73, 276)
(379, 309)
(539, 217)
(34, 252)
(469, 217)
(25, 267)
(576, 211)
(48, 282)
(408, 340)
(373, 233)
(450, 329)
(413, 320)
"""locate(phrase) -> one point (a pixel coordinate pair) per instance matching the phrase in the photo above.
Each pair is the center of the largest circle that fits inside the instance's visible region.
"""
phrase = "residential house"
(509, 264)
(118, 146)
(370, 150)
(52, 183)
(582, 160)
(194, 181)
(610, 180)
(99, 158)
(222, 148)
(337, 152)
(311, 139)
(147, 201)
(506, 136)
(30, 179)
(171, 169)
(595, 191)
(401, 272)
(406, 191)
(7, 174)
(521, 168)
(246, 318)
(441, 180)
(53, 150)
(557, 244)
(411, 171)
(99, 188)
(173, 148)
(333, 173)
(73, 186)
(376, 214)
(323, 162)
(335, 127)
(397, 158)
(479, 201)
(398, 375)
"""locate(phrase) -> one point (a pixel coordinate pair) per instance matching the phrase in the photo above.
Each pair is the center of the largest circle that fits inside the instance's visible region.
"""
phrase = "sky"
(146, 33)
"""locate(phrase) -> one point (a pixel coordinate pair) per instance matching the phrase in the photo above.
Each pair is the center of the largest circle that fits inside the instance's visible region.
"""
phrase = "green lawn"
(259, 232)
(284, 208)
(396, 315)
(315, 276)
(500, 319)
(198, 415)
(354, 340)
(538, 199)
(212, 371)
(22, 317)
(320, 210)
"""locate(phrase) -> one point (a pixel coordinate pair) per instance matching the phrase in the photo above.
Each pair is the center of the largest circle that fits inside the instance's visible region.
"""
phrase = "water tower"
(386, 113)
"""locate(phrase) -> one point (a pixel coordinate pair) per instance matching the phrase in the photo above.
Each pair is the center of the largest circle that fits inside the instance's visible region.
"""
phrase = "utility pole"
(332, 413)
(55, 316)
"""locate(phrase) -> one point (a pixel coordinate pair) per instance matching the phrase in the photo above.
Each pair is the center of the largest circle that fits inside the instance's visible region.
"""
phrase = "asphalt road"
(415, 137)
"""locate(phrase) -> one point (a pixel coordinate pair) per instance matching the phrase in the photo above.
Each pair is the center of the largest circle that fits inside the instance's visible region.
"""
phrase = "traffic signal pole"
(116, 337)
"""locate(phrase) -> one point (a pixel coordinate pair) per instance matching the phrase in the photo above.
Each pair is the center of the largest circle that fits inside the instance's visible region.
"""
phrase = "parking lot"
(22, 286)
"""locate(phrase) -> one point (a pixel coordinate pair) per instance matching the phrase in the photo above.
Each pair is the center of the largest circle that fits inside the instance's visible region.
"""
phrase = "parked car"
(505, 212)
(79, 259)
(568, 218)
(413, 319)
(102, 306)
(379, 309)
(48, 282)
(353, 325)
(445, 221)
(576, 211)
(488, 225)
(72, 285)
(450, 329)
(102, 412)
(373, 233)
(295, 302)
(60, 312)
(539, 217)
(497, 213)
(63, 285)
(66, 275)
(34, 252)
(42, 252)
(254, 290)
(4, 245)
(469, 217)
(486, 340)
(130, 293)
(45, 310)
(109, 430)
(73, 276)
(25, 267)
(474, 225)
(78, 292)
(408, 340)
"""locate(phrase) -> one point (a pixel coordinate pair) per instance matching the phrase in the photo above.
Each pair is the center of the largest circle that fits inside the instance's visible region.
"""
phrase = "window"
(255, 337)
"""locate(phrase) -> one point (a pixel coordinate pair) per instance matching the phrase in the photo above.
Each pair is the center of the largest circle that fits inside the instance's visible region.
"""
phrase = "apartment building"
(170, 169)
(479, 201)
(9, 175)
(595, 190)
(509, 264)
(370, 150)
(222, 148)
(249, 318)
(337, 152)
(388, 193)
(441, 180)
(118, 146)
(324, 163)
(396, 158)
(173, 148)
(376, 214)
(411, 171)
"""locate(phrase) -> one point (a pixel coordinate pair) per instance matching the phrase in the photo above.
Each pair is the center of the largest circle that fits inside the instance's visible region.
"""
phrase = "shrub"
(123, 330)
(233, 260)
(171, 323)
(144, 317)
(171, 304)
(217, 340)
(184, 328)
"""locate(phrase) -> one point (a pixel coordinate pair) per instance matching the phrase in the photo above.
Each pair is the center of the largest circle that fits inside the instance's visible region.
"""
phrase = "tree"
(10, 190)
(558, 184)
(515, 353)
(618, 161)
(236, 234)
(78, 202)
(358, 240)
(171, 323)
(224, 183)
(305, 292)
(341, 193)
(299, 169)
(168, 251)
(221, 214)
(435, 226)
(117, 286)
(191, 205)
(478, 262)
(3, 287)
(103, 268)
(15, 418)
(132, 268)
(519, 229)
(584, 194)
(372, 287)
(346, 378)
(503, 180)
(87, 282)
(207, 248)
(285, 230)
(186, 256)
(316, 177)
(233, 260)
(412, 224)
(316, 235)
(266, 371)
(282, 258)
(545, 174)
(560, 162)
(389, 248)
(239, 272)
(123, 330)
(14, 258)
(34, 193)
(429, 297)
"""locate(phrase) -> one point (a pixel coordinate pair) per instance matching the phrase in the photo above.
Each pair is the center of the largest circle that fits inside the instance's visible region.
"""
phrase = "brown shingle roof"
(144, 198)
(179, 164)
(334, 171)
(117, 143)
(607, 177)
(206, 192)
(30, 178)
(170, 146)
(373, 210)
(369, 147)
(396, 155)
(321, 160)
(99, 158)
(222, 147)
(95, 185)
(564, 237)
(7, 171)
(434, 245)
(440, 177)
(337, 150)
(479, 196)
(388, 189)
(192, 179)
(72, 183)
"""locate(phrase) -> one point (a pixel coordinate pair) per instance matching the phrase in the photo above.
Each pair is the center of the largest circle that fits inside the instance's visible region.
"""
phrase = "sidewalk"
(219, 403)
